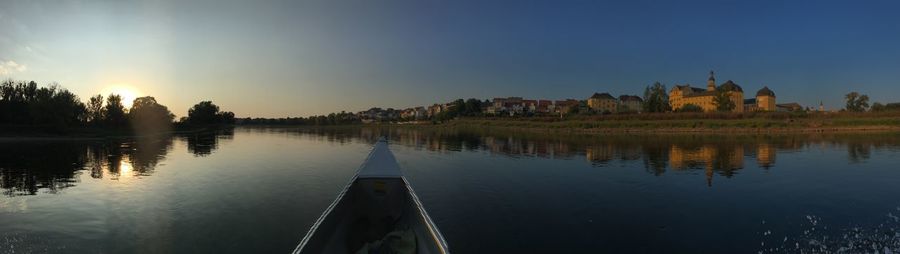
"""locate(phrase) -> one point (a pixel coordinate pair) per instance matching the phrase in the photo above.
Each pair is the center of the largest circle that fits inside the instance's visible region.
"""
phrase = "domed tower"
(711, 82)
(765, 99)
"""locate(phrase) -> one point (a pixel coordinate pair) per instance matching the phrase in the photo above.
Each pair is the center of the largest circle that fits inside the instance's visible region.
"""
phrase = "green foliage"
(877, 107)
(690, 108)
(656, 99)
(856, 102)
(472, 107)
(723, 101)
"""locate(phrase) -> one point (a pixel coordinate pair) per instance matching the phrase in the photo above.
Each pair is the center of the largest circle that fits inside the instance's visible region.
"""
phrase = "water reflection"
(204, 143)
(709, 155)
(26, 168)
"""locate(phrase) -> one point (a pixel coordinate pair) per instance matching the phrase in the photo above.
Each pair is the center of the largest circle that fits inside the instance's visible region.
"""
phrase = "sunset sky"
(298, 58)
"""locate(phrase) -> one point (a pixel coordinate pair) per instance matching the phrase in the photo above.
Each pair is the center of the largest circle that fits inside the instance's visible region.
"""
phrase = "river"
(258, 190)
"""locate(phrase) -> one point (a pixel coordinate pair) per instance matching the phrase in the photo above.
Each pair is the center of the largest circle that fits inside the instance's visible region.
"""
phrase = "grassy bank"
(678, 123)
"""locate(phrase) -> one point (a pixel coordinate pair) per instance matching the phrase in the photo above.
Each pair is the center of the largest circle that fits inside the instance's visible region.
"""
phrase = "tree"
(148, 116)
(115, 111)
(690, 108)
(472, 107)
(723, 101)
(656, 99)
(857, 102)
(877, 107)
(206, 112)
(95, 109)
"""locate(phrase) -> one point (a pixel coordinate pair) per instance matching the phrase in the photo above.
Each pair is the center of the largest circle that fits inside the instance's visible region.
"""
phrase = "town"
(726, 97)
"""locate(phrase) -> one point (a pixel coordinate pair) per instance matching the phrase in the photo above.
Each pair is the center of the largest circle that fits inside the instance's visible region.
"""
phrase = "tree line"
(26, 103)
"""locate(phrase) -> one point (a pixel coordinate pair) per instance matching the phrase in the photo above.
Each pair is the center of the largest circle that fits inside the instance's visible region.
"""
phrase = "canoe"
(376, 212)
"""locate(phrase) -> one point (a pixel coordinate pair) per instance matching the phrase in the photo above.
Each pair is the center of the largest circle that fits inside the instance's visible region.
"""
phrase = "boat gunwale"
(432, 228)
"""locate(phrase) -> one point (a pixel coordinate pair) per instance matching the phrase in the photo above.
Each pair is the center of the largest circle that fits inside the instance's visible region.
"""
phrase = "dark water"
(256, 190)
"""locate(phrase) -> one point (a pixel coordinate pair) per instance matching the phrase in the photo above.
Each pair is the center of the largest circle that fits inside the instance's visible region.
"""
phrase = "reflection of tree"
(25, 168)
(656, 158)
(204, 143)
(858, 152)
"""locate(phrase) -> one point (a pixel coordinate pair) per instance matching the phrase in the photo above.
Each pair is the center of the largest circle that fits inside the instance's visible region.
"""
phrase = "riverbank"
(673, 123)
(16, 133)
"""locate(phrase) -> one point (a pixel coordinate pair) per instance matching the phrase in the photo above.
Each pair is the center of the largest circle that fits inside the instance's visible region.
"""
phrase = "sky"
(300, 58)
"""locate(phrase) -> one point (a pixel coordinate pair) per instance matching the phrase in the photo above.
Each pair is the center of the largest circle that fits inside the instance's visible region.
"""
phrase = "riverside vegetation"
(29, 110)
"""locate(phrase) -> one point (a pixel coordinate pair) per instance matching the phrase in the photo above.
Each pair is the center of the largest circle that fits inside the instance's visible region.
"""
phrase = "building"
(544, 107)
(565, 106)
(705, 98)
(434, 110)
(630, 103)
(530, 106)
(602, 102)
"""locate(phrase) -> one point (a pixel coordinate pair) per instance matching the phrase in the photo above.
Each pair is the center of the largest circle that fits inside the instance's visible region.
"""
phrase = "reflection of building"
(711, 158)
(600, 153)
(765, 155)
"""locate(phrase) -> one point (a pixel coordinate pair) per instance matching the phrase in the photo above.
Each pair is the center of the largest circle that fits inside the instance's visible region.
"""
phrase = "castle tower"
(711, 82)
(765, 99)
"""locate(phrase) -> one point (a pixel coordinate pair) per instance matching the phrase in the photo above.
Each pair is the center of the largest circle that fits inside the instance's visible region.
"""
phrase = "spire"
(711, 82)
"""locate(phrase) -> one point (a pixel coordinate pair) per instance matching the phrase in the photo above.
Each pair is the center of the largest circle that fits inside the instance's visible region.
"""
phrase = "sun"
(128, 93)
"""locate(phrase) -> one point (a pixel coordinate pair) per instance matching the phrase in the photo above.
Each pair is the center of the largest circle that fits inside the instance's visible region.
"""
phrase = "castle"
(680, 96)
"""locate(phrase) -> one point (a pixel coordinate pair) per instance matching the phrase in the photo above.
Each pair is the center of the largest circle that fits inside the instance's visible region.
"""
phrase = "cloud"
(10, 67)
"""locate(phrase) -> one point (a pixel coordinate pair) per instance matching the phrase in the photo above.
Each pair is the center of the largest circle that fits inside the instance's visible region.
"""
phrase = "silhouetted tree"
(115, 111)
(95, 110)
(206, 112)
(148, 116)
(203, 113)
(26, 103)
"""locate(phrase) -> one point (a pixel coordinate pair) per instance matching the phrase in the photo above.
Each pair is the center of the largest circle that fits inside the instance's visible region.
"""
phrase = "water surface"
(258, 190)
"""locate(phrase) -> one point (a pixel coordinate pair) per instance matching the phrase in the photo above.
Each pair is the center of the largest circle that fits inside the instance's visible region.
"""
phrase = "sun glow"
(128, 93)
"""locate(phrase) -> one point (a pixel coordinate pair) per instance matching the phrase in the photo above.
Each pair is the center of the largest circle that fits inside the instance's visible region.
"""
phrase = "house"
(510, 105)
(630, 103)
(529, 106)
(602, 102)
(434, 110)
(566, 106)
(544, 107)
(420, 113)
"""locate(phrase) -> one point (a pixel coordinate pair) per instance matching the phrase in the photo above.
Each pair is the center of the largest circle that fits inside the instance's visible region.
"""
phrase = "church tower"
(711, 82)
